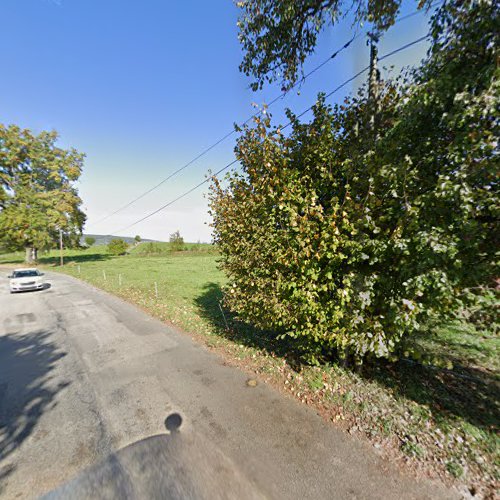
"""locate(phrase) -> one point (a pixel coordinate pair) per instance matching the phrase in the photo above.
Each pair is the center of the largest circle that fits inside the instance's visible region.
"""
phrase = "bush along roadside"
(432, 420)
(350, 232)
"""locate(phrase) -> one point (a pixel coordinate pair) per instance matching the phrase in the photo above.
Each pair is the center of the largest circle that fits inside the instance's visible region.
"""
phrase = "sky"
(142, 87)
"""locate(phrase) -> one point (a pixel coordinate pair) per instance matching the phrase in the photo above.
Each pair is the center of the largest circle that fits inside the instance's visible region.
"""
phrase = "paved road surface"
(83, 374)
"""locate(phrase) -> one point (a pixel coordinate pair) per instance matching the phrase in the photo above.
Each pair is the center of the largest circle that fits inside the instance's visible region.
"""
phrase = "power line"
(229, 134)
(355, 37)
(336, 89)
(222, 139)
(176, 199)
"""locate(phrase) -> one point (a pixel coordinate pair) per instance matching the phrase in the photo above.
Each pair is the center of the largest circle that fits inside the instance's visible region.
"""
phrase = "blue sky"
(143, 87)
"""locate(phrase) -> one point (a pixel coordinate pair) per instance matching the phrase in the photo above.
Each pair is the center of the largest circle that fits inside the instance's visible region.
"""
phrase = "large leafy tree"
(38, 198)
(278, 35)
(348, 238)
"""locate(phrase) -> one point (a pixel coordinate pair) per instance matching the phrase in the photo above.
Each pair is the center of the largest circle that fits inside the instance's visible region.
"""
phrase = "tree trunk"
(31, 255)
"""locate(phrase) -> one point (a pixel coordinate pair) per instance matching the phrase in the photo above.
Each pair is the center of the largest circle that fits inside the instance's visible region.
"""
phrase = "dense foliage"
(117, 246)
(37, 193)
(278, 35)
(348, 238)
(89, 240)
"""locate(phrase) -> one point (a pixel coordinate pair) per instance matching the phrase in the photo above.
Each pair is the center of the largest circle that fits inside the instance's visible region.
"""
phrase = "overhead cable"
(229, 134)
(336, 89)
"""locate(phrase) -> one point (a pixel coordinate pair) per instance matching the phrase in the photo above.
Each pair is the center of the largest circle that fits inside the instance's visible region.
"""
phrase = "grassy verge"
(436, 421)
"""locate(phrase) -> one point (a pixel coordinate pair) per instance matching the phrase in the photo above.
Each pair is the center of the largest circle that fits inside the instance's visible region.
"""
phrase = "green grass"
(462, 344)
(446, 421)
(163, 249)
(99, 253)
(51, 257)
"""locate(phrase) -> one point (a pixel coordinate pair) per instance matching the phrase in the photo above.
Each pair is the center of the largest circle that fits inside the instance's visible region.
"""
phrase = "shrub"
(117, 246)
(176, 242)
(89, 240)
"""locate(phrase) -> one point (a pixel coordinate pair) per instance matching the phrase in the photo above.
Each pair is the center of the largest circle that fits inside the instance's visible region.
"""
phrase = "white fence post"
(156, 289)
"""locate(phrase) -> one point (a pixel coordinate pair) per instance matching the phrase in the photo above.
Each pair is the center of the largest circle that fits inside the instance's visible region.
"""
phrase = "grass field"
(435, 420)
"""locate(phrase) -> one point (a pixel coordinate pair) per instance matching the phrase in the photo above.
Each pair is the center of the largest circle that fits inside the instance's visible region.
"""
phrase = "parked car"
(26, 279)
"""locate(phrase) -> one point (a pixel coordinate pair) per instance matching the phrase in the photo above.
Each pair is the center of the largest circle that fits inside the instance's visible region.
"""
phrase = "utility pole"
(61, 248)
(373, 80)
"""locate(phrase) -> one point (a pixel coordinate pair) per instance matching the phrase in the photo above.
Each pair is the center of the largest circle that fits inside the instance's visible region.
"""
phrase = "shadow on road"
(26, 390)
(466, 391)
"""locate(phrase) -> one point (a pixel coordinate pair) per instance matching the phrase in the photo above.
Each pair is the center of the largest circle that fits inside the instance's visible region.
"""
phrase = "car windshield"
(24, 274)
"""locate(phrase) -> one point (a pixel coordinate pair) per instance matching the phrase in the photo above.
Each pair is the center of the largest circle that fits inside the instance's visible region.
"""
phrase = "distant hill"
(104, 239)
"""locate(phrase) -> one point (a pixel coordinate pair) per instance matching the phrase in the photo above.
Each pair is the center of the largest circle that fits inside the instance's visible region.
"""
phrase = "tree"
(176, 241)
(348, 240)
(89, 240)
(137, 239)
(37, 193)
(278, 35)
(117, 246)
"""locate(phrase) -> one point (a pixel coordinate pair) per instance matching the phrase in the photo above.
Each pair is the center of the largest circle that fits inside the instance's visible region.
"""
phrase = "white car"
(26, 279)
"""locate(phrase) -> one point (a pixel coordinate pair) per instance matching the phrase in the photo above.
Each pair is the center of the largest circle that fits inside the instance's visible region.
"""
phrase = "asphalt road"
(84, 374)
